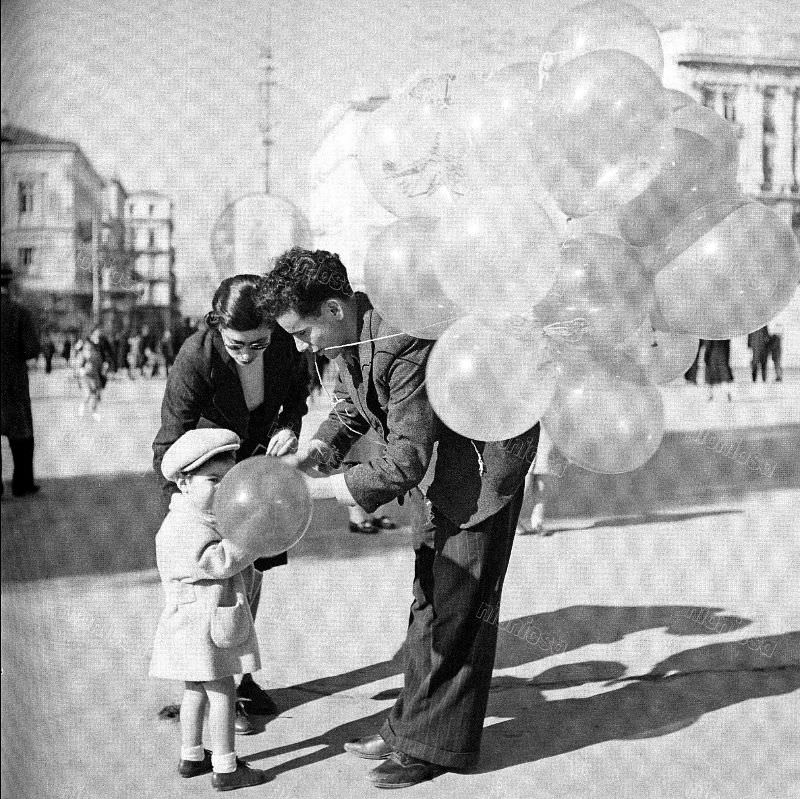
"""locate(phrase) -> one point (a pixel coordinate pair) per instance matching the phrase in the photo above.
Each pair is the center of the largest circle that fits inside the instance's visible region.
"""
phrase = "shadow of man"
(673, 696)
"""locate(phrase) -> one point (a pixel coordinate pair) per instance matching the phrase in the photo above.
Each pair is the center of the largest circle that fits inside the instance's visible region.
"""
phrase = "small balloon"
(490, 380)
(400, 278)
(263, 505)
(730, 280)
(601, 134)
(604, 421)
(499, 252)
(605, 25)
(601, 283)
(412, 156)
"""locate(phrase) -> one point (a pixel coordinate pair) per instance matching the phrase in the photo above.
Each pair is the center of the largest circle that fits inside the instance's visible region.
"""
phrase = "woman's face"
(245, 345)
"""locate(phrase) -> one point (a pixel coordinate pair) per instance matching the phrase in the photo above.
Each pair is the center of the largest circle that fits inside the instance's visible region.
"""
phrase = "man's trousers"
(449, 648)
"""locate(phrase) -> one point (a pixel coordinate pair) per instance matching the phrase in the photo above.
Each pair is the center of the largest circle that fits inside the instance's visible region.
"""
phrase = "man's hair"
(301, 281)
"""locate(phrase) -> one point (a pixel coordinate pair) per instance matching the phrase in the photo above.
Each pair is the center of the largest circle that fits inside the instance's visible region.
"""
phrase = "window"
(729, 106)
(25, 259)
(150, 209)
(25, 197)
(131, 208)
(151, 239)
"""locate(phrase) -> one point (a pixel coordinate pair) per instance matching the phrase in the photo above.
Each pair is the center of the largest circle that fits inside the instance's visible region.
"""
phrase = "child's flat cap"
(195, 447)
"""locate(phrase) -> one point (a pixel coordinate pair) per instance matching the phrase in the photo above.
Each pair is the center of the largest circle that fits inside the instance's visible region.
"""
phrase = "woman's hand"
(284, 442)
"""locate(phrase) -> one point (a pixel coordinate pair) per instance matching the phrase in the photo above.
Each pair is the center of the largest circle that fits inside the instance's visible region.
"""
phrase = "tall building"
(148, 237)
(52, 205)
(750, 77)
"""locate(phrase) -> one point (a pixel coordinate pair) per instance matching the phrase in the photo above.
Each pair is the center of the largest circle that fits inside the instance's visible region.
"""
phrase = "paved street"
(672, 668)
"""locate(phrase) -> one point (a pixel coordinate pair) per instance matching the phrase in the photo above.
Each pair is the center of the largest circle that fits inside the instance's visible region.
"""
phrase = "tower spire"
(264, 93)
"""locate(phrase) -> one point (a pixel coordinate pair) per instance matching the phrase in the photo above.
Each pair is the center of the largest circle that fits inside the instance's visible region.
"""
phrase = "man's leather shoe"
(194, 768)
(243, 777)
(256, 700)
(243, 724)
(402, 771)
(372, 747)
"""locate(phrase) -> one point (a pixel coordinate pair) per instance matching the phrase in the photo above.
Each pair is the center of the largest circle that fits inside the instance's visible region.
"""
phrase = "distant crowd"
(137, 352)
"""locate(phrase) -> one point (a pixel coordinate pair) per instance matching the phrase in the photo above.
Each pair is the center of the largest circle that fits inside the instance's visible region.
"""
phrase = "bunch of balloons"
(567, 230)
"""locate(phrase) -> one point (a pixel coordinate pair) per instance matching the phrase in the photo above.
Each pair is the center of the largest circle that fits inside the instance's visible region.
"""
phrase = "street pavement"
(640, 656)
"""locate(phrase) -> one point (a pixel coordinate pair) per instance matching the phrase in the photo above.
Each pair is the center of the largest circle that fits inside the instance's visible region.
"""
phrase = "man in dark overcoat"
(464, 526)
(19, 342)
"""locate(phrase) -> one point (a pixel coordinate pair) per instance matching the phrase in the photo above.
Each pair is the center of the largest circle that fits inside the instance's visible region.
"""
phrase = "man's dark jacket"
(19, 342)
(381, 385)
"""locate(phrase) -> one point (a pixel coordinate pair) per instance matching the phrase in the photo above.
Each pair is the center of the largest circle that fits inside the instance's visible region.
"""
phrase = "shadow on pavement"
(644, 518)
(677, 691)
(106, 524)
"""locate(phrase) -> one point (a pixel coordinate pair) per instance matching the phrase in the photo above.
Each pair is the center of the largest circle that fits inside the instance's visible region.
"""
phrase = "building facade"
(148, 222)
(751, 78)
(52, 206)
(84, 251)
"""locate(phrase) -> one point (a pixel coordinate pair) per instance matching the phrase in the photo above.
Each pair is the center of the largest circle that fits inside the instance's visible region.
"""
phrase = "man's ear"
(182, 482)
(333, 307)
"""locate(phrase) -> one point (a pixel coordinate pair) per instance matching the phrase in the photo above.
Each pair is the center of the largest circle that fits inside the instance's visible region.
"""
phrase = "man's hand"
(317, 457)
(329, 488)
(284, 442)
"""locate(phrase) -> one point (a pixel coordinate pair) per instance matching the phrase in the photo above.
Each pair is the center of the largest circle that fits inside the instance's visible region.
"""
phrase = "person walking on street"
(19, 343)
(758, 342)
(718, 366)
(774, 349)
(464, 525)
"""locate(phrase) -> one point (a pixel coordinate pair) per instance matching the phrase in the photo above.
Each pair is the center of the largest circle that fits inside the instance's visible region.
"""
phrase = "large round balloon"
(400, 278)
(413, 158)
(263, 505)
(601, 134)
(499, 252)
(605, 419)
(732, 279)
(601, 283)
(490, 380)
(605, 25)
(693, 175)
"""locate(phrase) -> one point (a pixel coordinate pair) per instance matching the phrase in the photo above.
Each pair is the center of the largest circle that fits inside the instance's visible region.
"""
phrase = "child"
(92, 377)
(205, 634)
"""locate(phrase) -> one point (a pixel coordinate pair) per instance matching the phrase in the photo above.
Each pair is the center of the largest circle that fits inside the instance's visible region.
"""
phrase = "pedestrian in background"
(92, 371)
(758, 342)
(774, 348)
(19, 343)
(718, 366)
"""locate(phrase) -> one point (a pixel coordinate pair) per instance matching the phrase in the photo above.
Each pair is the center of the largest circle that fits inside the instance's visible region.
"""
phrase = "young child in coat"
(205, 634)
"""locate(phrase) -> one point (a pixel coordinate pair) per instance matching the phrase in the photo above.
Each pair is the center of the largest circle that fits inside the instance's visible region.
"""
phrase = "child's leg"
(221, 719)
(193, 708)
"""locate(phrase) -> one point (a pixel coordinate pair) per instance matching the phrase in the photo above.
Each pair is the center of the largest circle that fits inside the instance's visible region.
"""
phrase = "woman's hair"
(234, 304)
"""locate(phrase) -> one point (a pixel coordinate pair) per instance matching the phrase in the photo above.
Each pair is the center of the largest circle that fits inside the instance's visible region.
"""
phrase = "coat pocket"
(230, 624)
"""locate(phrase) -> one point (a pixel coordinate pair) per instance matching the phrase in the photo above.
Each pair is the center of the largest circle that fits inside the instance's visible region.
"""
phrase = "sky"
(164, 94)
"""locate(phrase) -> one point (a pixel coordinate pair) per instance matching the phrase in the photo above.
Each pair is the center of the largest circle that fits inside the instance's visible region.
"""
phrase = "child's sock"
(223, 764)
(195, 753)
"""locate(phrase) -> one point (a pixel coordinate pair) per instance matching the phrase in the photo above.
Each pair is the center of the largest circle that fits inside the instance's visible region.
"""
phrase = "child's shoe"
(243, 777)
(194, 768)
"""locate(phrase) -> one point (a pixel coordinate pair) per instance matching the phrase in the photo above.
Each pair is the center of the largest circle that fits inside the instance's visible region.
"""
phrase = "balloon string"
(392, 335)
(571, 327)
(334, 402)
